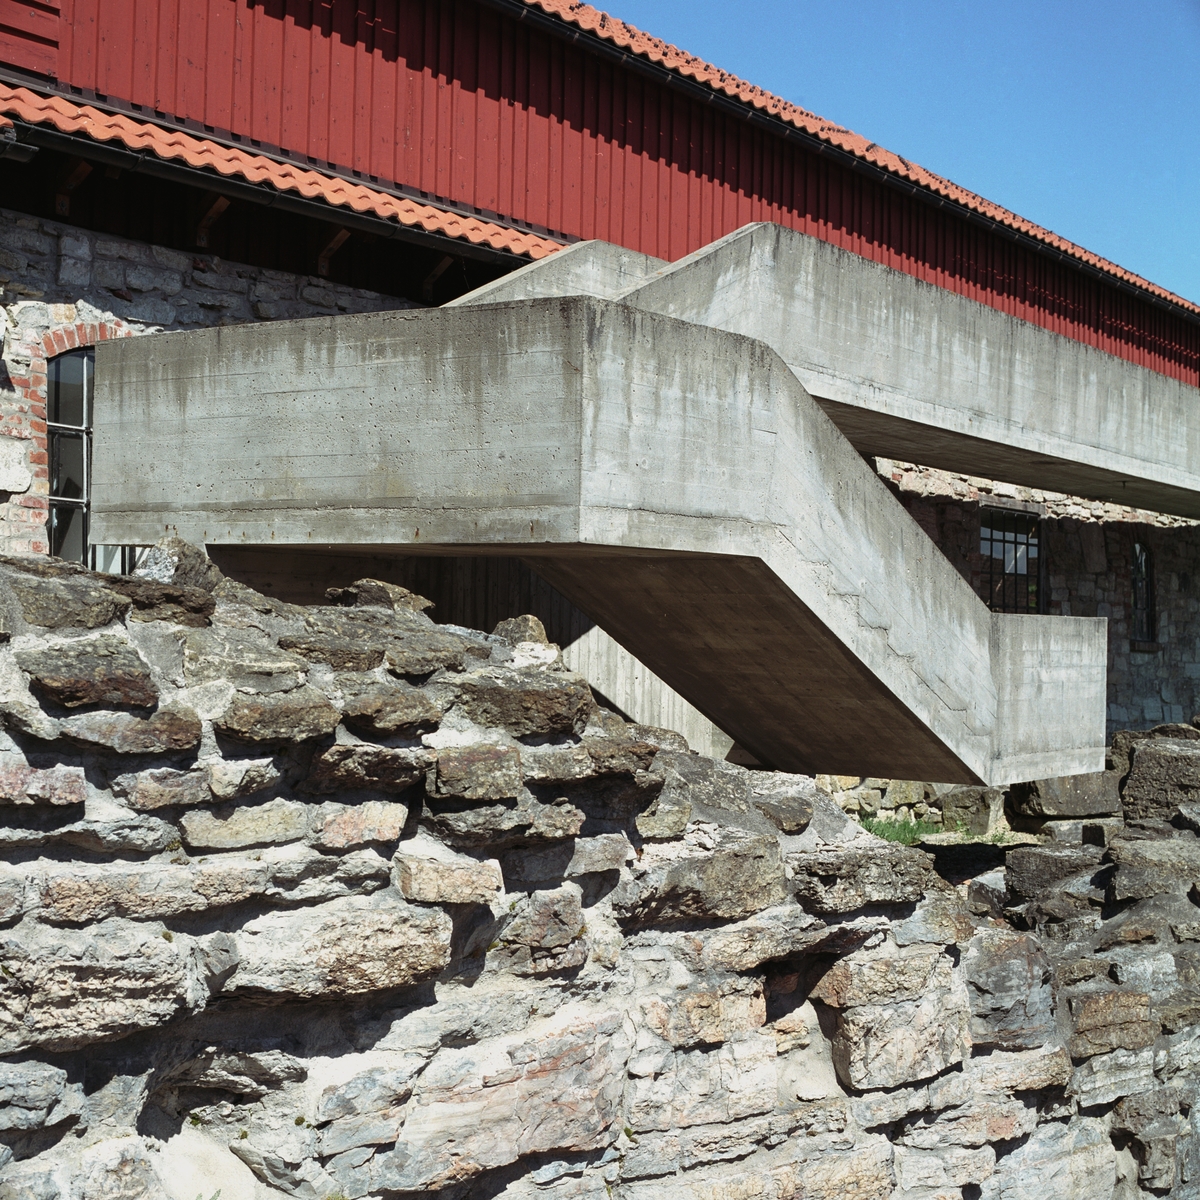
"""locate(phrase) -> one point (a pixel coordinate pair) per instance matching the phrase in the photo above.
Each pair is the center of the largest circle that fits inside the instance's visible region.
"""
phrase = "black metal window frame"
(1013, 565)
(1143, 623)
(69, 446)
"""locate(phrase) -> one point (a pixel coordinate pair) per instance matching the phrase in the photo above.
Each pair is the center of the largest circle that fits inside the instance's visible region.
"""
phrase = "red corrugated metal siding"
(469, 106)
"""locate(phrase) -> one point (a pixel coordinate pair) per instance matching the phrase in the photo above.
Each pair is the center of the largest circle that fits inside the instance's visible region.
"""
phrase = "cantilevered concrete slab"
(674, 481)
(909, 370)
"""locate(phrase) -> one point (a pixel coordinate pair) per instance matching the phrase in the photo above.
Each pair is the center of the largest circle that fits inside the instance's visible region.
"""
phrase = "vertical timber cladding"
(468, 105)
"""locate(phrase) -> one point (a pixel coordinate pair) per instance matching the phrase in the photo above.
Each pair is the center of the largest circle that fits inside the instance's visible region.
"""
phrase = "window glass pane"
(68, 532)
(67, 451)
(69, 378)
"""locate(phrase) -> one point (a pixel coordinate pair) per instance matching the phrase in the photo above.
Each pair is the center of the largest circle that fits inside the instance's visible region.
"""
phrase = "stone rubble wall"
(335, 902)
(62, 287)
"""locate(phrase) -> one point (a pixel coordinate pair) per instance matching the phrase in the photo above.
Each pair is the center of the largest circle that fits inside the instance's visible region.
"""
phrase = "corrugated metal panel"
(471, 107)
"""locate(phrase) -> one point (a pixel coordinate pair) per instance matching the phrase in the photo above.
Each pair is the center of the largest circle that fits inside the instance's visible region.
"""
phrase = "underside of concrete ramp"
(909, 370)
(674, 481)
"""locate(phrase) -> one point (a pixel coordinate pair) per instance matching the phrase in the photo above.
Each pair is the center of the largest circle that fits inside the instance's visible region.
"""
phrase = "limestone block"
(347, 947)
(35, 1094)
(883, 975)
(1008, 978)
(923, 1171)
(377, 768)
(154, 601)
(554, 1087)
(544, 933)
(231, 828)
(972, 810)
(340, 826)
(1110, 1020)
(163, 787)
(57, 786)
(705, 1015)
(982, 1119)
(500, 826)
(1060, 1160)
(526, 703)
(172, 727)
(1032, 871)
(775, 933)
(1165, 773)
(1072, 796)
(14, 465)
(941, 919)
(232, 779)
(429, 873)
(480, 772)
(842, 879)
(420, 649)
(701, 1087)
(727, 874)
(669, 814)
(384, 710)
(556, 764)
(1021, 1070)
(279, 717)
(879, 1045)
(246, 659)
(341, 653)
(101, 670)
(1150, 868)
(63, 601)
(1104, 1078)
(62, 988)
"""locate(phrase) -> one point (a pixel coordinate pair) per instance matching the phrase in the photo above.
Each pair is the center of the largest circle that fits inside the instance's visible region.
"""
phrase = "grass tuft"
(908, 833)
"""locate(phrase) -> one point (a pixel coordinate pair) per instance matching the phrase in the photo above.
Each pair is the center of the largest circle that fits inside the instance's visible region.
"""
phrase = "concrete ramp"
(676, 482)
(909, 370)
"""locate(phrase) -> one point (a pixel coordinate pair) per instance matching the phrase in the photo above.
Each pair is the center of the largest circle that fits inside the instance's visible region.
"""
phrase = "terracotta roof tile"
(600, 24)
(199, 152)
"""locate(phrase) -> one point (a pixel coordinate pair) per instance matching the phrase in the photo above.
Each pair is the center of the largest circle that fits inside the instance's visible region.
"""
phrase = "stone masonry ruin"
(333, 901)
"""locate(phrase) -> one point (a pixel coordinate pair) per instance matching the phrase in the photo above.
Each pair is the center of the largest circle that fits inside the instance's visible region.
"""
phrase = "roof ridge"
(628, 37)
(69, 117)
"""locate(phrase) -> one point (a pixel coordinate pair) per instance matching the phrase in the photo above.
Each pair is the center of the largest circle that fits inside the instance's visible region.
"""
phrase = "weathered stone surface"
(278, 718)
(555, 1087)
(544, 933)
(477, 773)
(231, 828)
(526, 702)
(1104, 1078)
(63, 988)
(624, 755)
(978, 1121)
(842, 879)
(526, 868)
(496, 827)
(941, 919)
(341, 653)
(725, 873)
(348, 947)
(1110, 1020)
(56, 600)
(927, 1173)
(340, 826)
(246, 660)
(698, 1087)
(59, 786)
(376, 593)
(526, 628)
(1150, 868)
(669, 814)
(1165, 773)
(35, 1094)
(376, 768)
(1021, 1070)
(1092, 795)
(163, 787)
(1060, 1160)
(420, 650)
(886, 1045)
(383, 710)
(1008, 979)
(172, 727)
(883, 975)
(101, 670)
(172, 560)
(973, 810)
(154, 601)
(232, 779)
(430, 873)
(1032, 871)
(707, 1015)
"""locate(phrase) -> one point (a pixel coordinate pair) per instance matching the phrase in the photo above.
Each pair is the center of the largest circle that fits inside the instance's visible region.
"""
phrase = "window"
(1142, 627)
(69, 441)
(1011, 578)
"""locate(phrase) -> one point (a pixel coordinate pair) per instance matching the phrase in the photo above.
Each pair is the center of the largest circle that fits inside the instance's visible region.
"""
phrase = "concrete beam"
(909, 370)
(674, 481)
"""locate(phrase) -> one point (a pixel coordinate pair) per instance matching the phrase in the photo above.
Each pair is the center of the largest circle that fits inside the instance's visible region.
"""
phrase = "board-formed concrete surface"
(909, 370)
(676, 482)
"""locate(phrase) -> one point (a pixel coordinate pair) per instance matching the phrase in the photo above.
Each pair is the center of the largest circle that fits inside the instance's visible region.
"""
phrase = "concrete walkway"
(674, 481)
(908, 370)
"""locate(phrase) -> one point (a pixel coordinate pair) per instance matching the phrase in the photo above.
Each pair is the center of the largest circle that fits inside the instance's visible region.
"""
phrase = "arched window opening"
(1142, 627)
(69, 380)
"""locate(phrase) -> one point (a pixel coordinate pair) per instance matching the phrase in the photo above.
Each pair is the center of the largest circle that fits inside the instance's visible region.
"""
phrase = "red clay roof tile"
(600, 24)
(198, 152)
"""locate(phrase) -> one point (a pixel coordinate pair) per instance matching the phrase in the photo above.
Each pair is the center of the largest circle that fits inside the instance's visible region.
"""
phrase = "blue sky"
(1083, 117)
